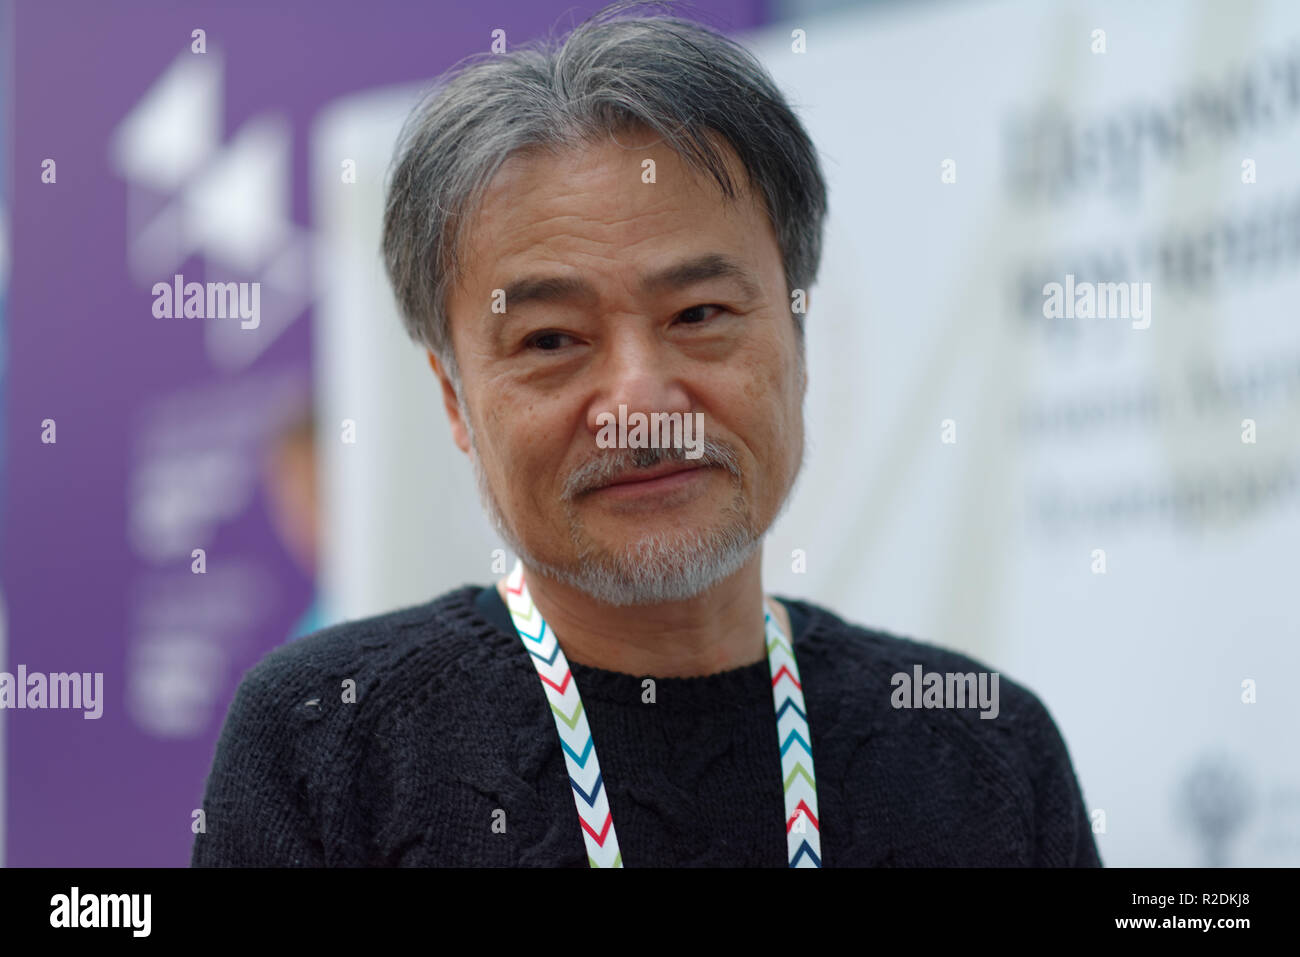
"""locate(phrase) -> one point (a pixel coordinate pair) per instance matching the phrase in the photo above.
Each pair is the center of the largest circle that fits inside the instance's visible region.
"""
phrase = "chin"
(662, 568)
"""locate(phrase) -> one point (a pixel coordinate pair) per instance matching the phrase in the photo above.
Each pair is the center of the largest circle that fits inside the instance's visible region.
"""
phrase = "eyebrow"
(546, 289)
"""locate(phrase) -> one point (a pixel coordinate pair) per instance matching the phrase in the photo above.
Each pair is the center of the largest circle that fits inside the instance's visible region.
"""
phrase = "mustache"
(599, 472)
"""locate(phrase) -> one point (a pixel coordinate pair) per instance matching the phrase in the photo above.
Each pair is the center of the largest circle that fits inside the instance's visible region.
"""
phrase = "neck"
(717, 630)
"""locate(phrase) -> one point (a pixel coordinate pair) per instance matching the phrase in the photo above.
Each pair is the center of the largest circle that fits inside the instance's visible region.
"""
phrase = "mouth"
(668, 477)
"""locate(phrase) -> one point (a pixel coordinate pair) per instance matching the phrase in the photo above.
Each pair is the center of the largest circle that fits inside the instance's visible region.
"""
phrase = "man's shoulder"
(898, 673)
(912, 701)
(407, 644)
(877, 644)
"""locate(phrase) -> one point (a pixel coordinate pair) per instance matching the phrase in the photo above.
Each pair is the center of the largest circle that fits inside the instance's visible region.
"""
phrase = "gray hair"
(684, 81)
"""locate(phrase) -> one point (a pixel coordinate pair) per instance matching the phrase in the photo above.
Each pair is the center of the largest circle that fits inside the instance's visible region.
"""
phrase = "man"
(624, 224)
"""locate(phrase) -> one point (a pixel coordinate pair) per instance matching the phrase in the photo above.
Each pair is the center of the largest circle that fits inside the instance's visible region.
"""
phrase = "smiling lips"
(669, 476)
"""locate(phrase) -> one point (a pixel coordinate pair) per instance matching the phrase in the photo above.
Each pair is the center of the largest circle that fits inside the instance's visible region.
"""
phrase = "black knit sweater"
(451, 731)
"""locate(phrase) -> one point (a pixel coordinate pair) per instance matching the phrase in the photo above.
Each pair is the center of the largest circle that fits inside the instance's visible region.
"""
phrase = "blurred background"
(1080, 504)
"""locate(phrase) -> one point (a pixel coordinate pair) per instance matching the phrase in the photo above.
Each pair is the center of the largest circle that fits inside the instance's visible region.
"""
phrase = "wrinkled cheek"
(546, 514)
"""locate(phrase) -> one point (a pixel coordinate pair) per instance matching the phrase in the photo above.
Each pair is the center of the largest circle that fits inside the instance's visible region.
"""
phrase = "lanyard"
(803, 842)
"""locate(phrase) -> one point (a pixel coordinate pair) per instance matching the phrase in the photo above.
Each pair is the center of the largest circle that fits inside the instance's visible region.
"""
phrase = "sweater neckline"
(745, 685)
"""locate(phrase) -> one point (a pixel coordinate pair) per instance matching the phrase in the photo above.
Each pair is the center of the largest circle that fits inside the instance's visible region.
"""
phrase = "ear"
(459, 431)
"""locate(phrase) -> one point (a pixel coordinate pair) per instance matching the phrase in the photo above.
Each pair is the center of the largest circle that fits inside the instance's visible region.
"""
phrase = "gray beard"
(654, 568)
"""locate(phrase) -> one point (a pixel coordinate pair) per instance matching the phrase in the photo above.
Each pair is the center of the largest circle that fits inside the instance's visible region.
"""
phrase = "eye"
(546, 341)
(693, 316)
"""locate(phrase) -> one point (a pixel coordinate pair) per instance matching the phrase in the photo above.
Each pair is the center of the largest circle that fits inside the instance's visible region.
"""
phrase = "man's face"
(536, 378)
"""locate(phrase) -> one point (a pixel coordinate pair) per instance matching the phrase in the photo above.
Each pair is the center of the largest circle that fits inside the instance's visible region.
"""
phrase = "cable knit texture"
(451, 732)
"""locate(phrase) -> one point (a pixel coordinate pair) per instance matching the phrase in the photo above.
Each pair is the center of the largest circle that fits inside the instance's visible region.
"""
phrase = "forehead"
(598, 207)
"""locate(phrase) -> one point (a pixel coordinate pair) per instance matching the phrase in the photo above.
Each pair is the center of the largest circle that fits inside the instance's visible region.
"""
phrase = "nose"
(640, 372)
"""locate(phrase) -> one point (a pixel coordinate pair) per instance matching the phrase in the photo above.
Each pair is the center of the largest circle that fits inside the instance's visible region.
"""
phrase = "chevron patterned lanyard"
(590, 796)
